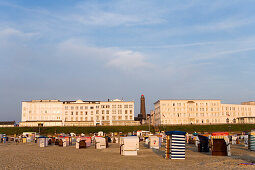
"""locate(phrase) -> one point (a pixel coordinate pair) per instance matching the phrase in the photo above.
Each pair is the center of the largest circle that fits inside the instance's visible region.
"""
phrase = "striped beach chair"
(251, 141)
(175, 145)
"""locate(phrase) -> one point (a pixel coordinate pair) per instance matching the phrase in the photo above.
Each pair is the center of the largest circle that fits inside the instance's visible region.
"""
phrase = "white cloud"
(128, 61)
(114, 19)
(124, 60)
(119, 13)
(226, 24)
(12, 32)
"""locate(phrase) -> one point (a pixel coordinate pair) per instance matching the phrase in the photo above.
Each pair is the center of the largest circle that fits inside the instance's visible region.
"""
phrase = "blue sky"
(95, 50)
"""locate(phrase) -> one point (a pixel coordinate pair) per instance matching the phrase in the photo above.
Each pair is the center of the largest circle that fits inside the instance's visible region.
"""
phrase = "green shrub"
(125, 129)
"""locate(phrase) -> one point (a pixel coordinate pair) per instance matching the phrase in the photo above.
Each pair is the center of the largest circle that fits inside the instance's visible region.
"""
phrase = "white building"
(77, 113)
(174, 112)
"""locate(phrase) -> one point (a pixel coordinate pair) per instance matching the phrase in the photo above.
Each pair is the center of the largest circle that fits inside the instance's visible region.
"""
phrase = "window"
(130, 117)
(126, 112)
(130, 106)
(102, 111)
(86, 113)
(102, 106)
(72, 107)
(91, 107)
(97, 107)
(131, 112)
(86, 118)
(119, 111)
(81, 118)
(66, 107)
(91, 112)
(113, 111)
(97, 111)
(102, 117)
(119, 106)
(227, 120)
(126, 117)
(107, 111)
(97, 117)
(107, 117)
(76, 107)
(71, 113)
(71, 118)
(119, 117)
(114, 118)
(92, 118)
(125, 106)
(113, 106)
(234, 120)
(86, 107)
(76, 113)
(81, 107)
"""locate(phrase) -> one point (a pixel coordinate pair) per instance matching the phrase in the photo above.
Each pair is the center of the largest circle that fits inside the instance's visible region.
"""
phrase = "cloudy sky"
(95, 50)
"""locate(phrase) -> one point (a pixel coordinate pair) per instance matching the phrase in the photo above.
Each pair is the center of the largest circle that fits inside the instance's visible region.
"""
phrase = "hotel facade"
(78, 113)
(176, 112)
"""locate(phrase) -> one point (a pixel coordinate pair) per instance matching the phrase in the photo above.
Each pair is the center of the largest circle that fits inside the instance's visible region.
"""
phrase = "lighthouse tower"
(142, 107)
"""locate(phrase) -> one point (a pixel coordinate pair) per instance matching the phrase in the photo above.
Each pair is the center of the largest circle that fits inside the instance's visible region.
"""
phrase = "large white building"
(77, 113)
(174, 112)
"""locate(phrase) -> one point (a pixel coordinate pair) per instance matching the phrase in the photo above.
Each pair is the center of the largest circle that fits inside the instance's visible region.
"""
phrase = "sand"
(31, 156)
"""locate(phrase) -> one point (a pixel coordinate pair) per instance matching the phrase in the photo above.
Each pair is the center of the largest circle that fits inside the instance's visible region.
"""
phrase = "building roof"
(39, 121)
(245, 117)
(185, 100)
(79, 101)
(7, 122)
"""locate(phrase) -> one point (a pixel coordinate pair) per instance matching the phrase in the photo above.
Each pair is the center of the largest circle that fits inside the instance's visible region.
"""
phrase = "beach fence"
(175, 145)
(220, 144)
(129, 145)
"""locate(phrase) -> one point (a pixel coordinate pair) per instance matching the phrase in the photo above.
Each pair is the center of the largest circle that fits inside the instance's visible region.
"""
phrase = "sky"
(99, 50)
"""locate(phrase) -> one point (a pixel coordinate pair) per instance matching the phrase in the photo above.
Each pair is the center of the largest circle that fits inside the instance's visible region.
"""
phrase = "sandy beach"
(31, 156)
